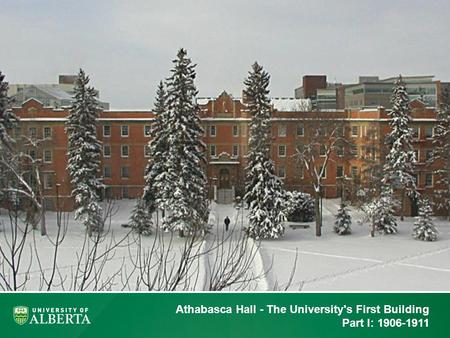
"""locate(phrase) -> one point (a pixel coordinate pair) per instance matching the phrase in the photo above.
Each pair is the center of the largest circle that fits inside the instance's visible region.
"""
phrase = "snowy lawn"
(343, 263)
(358, 262)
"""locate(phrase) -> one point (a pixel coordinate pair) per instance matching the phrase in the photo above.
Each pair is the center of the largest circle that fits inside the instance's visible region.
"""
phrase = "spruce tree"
(7, 118)
(424, 228)
(381, 212)
(342, 225)
(141, 220)
(84, 154)
(156, 171)
(183, 188)
(441, 152)
(264, 193)
(400, 161)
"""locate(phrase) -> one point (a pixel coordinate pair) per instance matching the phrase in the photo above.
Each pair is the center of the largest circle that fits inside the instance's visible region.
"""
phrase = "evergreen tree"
(424, 228)
(7, 118)
(156, 171)
(380, 212)
(441, 152)
(342, 225)
(84, 154)
(264, 193)
(182, 189)
(400, 161)
(141, 220)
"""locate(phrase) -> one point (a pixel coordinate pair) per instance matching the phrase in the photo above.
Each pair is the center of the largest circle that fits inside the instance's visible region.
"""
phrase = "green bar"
(154, 315)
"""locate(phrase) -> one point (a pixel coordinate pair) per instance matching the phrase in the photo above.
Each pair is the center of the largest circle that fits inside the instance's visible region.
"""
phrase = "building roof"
(289, 104)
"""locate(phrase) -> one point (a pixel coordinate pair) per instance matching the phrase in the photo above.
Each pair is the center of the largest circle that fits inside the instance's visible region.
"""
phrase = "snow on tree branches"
(84, 154)
(156, 171)
(400, 161)
(342, 225)
(441, 152)
(7, 118)
(141, 220)
(380, 212)
(264, 193)
(182, 182)
(424, 228)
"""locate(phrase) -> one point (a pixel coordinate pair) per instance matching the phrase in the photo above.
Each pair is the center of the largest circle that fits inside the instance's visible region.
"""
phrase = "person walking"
(227, 223)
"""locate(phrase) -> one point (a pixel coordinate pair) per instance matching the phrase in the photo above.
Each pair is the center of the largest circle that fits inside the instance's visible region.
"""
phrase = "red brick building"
(125, 135)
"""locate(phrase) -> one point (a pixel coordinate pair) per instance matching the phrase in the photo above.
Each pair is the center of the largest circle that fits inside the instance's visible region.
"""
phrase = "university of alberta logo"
(20, 314)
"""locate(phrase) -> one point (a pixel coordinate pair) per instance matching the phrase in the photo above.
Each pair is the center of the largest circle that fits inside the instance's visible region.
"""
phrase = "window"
(322, 150)
(212, 150)
(416, 179)
(48, 181)
(301, 173)
(428, 180)
(107, 171)
(282, 171)
(417, 155)
(354, 171)
(106, 150)
(339, 132)
(340, 151)
(355, 131)
(300, 130)
(428, 132)
(235, 150)
(124, 131)
(428, 154)
(415, 133)
(323, 171)
(339, 171)
(32, 132)
(282, 130)
(48, 156)
(354, 150)
(281, 150)
(146, 151)
(125, 193)
(212, 131)
(147, 130)
(106, 131)
(125, 172)
(47, 132)
(124, 151)
(32, 153)
(235, 130)
(322, 131)
(244, 130)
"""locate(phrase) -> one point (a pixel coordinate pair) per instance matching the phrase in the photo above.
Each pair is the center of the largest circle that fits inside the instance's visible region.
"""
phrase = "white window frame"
(302, 126)
(432, 180)
(121, 130)
(104, 153)
(235, 130)
(122, 147)
(211, 128)
(48, 178)
(110, 171)
(235, 146)
(280, 146)
(357, 131)
(45, 152)
(104, 127)
(211, 147)
(281, 167)
(43, 132)
(282, 130)
(432, 132)
(339, 166)
(121, 172)
(322, 146)
(146, 151)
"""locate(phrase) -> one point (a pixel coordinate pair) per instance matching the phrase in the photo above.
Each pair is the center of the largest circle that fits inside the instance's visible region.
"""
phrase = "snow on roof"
(55, 91)
(204, 100)
(290, 104)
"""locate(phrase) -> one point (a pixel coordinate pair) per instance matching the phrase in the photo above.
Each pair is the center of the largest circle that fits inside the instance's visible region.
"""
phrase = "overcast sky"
(127, 46)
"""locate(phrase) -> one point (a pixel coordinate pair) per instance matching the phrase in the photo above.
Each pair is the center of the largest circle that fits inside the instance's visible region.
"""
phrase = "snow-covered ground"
(336, 263)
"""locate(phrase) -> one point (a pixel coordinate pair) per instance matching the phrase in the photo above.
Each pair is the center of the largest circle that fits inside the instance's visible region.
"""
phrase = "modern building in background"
(368, 92)
(57, 95)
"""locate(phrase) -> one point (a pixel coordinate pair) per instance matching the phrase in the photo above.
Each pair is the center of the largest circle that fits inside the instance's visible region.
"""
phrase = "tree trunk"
(402, 206)
(318, 215)
(43, 225)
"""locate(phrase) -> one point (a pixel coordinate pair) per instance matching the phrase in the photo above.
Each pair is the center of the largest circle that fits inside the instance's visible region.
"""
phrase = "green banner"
(282, 315)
